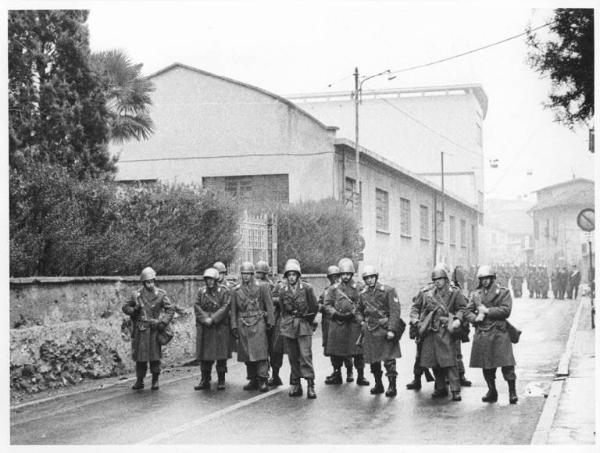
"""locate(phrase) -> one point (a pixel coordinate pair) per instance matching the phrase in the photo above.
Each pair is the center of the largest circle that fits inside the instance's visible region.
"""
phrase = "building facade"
(240, 139)
(557, 238)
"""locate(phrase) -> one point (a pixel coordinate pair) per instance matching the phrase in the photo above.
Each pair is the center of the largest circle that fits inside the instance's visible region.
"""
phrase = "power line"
(430, 129)
(431, 63)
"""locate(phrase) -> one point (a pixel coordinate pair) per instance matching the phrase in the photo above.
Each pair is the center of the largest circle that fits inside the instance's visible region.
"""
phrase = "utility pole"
(356, 102)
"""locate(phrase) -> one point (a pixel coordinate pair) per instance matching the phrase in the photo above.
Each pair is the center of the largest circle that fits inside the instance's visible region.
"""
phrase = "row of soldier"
(361, 324)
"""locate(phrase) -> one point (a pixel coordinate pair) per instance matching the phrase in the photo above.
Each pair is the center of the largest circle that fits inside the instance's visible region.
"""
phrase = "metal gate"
(258, 241)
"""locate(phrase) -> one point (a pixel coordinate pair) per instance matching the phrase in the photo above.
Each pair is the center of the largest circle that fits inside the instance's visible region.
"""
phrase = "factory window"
(452, 221)
(440, 227)
(405, 220)
(463, 234)
(424, 222)
(252, 188)
(382, 210)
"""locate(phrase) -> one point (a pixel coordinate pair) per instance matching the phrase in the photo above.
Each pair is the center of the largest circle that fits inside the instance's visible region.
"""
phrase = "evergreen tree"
(568, 59)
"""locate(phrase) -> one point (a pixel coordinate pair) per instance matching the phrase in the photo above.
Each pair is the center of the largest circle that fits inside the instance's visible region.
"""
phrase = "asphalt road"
(345, 414)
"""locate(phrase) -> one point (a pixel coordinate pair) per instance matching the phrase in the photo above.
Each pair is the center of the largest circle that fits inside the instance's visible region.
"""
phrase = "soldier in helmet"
(299, 307)
(333, 275)
(262, 270)
(251, 318)
(220, 267)
(488, 309)
(151, 311)
(442, 312)
(379, 313)
(212, 329)
(341, 303)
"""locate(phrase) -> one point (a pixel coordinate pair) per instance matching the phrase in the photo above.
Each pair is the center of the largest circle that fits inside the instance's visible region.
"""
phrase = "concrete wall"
(209, 126)
(67, 329)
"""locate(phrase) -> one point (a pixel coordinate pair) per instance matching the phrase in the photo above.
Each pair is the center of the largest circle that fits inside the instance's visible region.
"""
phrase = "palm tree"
(127, 93)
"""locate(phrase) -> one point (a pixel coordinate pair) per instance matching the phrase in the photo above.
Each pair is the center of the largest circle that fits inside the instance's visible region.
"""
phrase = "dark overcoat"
(155, 313)
(251, 311)
(213, 341)
(438, 349)
(379, 308)
(298, 309)
(276, 340)
(491, 343)
(342, 335)
(324, 318)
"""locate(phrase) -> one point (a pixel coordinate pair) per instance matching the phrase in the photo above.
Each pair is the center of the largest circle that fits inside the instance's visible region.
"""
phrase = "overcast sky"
(290, 47)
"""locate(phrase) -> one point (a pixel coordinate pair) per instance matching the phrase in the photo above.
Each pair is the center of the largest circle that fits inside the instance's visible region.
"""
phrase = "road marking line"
(544, 425)
(189, 425)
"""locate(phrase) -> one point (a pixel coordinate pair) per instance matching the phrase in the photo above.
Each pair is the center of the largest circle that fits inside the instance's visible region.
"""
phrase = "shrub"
(317, 233)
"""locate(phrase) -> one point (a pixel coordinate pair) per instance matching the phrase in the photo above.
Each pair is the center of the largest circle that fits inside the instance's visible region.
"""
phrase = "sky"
(292, 47)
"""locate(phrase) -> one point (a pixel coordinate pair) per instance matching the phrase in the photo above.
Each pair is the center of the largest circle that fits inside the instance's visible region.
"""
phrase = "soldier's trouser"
(359, 361)
(459, 358)
(276, 360)
(451, 373)
(300, 356)
(206, 366)
(390, 368)
(142, 367)
(258, 369)
(508, 372)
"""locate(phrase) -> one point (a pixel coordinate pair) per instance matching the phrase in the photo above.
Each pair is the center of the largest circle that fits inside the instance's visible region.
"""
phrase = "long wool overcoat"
(156, 312)
(491, 343)
(379, 307)
(251, 311)
(276, 340)
(437, 349)
(298, 309)
(342, 298)
(324, 318)
(213, 341)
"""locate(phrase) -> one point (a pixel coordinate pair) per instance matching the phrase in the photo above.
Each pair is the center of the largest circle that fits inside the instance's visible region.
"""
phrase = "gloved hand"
(479, 318)
(390, 335)
(208, 322)
(483, 309)
(456, 324)
(234, 331)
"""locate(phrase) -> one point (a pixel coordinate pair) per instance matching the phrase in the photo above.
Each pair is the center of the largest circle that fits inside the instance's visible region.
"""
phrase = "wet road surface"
(345, 414)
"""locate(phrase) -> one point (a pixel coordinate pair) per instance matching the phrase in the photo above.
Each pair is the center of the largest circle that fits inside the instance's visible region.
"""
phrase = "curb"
(542, 430)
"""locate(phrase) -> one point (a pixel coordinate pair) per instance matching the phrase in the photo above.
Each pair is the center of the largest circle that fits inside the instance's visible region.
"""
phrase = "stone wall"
(67, 329)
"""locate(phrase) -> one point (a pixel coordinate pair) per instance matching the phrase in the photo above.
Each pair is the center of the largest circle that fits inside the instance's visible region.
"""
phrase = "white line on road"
(189, 425)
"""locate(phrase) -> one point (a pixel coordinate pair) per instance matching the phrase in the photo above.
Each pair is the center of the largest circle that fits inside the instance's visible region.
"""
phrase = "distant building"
(508, 232)
(557, 238)
(256, 145)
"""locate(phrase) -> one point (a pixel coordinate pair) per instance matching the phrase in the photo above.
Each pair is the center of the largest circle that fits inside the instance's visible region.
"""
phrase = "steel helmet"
(247, 268)
(439, 271)
(147, 274)
(292, 266)
(346, 266)
(262, 266)
(369, 271)
(485, 271)
(333, 270)
(220, 267)
(211, 272)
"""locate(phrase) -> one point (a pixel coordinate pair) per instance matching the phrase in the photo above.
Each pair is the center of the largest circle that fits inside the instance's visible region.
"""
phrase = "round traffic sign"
(585, 220)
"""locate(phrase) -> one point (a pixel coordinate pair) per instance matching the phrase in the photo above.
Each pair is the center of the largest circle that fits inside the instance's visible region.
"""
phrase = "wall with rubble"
(67, 329)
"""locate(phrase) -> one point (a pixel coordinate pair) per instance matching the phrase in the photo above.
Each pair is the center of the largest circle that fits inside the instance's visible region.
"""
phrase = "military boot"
(275, 380)
(361, 377)
(349, 375)
(204, 381)
(310, 389)
(296, 389)
(415, 384)
(456, 396)
(492, 394)
(140, 372)
(221, 380)
(139, 384)
(512, 392)
(252, 384)
(262, 385)
(154, 381)
(464, 382)
(378, 388)
(391, 391)
(440, 393)
(335, 378)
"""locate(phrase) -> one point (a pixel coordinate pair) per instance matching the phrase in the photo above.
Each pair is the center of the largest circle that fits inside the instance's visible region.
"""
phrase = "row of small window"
(382, 221)
(536, 228)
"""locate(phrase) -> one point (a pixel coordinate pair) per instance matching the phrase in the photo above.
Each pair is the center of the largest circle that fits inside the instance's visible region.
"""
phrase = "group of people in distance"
(361, 324)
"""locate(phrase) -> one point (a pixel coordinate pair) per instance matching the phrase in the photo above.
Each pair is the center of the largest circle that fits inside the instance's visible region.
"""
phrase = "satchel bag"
(165, 336)
(513, 332)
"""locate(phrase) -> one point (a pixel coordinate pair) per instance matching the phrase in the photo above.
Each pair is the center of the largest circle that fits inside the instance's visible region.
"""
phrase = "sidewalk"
(574, 422)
